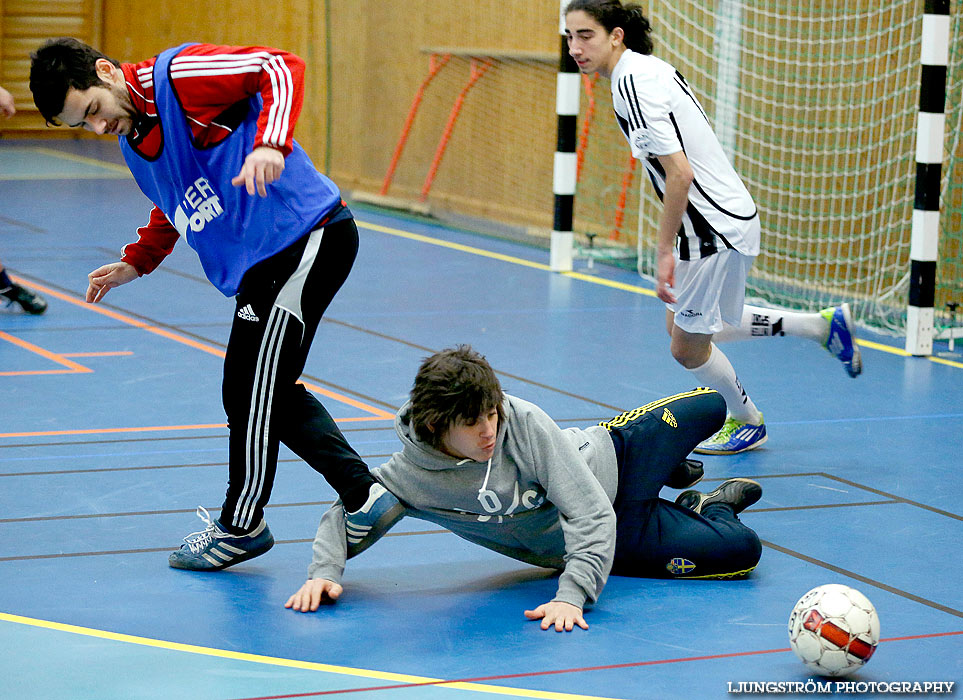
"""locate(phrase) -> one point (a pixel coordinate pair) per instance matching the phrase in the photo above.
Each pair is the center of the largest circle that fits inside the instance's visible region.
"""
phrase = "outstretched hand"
(262, 166)
(106, 277)
(314, 592)
(563, 615)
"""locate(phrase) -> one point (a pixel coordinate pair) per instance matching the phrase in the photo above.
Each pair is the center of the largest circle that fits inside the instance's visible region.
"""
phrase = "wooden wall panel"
(365, 60)
(130, 34)
(500, 155)
(24, 25)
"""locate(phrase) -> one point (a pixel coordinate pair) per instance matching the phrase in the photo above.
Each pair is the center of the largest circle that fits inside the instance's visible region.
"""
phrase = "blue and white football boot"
(841, 341)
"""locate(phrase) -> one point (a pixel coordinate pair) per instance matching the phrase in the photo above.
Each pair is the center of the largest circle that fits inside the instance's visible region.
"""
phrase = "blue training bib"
(229, 229)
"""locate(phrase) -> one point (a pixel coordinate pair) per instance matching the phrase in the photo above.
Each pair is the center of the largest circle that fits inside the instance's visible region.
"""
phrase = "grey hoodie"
(545, 498)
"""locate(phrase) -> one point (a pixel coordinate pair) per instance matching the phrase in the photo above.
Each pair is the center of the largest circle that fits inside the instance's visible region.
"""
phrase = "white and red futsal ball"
(834, 629)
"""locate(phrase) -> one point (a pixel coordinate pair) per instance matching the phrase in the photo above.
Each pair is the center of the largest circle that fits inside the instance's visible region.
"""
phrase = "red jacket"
(210, 81)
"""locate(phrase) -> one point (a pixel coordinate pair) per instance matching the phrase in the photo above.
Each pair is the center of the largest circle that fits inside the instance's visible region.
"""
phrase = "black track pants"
(279, 307)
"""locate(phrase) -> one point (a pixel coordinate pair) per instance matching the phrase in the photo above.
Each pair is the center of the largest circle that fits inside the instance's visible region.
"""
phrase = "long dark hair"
(611, 14)
(453, 385)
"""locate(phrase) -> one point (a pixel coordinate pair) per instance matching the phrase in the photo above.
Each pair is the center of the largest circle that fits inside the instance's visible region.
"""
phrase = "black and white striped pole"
(931, 125)
(567, 95)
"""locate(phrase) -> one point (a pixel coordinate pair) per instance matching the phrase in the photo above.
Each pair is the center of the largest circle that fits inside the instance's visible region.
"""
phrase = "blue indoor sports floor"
(112, 433)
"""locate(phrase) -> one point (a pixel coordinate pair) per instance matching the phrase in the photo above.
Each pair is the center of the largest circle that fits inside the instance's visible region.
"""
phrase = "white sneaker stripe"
(229, 548)
(212, 560)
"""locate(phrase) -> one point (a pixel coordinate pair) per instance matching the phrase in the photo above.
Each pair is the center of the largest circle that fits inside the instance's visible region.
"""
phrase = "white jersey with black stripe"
(660, 115)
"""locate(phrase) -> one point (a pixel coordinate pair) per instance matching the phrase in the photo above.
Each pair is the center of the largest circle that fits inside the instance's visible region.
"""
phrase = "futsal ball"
(834, 629)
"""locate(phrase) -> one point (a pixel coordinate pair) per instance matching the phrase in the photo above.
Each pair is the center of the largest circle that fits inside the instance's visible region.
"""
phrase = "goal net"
(949, 271)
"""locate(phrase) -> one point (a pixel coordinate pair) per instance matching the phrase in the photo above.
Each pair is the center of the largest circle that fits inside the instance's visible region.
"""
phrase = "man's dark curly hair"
(454, 385)
(57, 66)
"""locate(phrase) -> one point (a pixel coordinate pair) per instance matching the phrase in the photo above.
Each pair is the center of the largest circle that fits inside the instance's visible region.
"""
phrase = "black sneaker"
(687, 473)
(30, 302)
(738, 493)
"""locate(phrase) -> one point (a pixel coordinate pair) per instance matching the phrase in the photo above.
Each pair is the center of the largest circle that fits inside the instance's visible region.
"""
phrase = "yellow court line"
(635, 289)
(454, 246)
(291, 663)
(106, 165)
(903, 353)
(504, 258)
(184, 340)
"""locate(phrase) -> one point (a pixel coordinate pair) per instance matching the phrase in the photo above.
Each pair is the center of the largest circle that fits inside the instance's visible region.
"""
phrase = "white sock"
(758, 322)
(717, 373)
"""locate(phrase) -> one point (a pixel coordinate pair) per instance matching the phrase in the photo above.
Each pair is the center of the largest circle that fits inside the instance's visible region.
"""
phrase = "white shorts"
(710, 291)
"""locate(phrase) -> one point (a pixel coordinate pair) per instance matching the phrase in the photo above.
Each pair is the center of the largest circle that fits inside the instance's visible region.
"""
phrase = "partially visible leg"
(250, 376)
(759, 322)
(29, 301)
(745, 428)
(710, 293)
(833, 328)
(658, 539)
(710, 366)
(306, 427)
(651, 441)
(312, 434)
(279, 307)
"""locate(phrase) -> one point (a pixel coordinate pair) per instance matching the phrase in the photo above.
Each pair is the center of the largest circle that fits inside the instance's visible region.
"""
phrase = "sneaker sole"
(855, 365)
(689, 485)
(710, 451)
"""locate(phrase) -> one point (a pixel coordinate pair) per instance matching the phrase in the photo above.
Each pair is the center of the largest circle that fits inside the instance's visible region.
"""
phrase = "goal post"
(931, 126)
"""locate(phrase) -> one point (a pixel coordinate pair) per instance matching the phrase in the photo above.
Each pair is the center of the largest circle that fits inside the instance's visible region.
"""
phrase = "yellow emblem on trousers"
(669, 418)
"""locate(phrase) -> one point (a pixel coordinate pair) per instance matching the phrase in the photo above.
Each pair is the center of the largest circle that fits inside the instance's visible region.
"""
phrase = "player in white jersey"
(709, 230)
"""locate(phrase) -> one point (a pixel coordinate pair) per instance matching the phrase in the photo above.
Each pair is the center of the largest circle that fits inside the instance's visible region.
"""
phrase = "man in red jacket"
(207, 132)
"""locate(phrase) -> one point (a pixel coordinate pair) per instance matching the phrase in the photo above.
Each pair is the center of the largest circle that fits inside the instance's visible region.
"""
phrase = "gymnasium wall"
(366, 59)
(24, 24)
(498, 161)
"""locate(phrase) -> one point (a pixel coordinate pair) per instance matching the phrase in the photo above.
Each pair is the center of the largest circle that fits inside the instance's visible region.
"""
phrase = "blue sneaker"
(841, 341)
(366, 525)
(734, 437)
(737, 493)
(212, 549)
